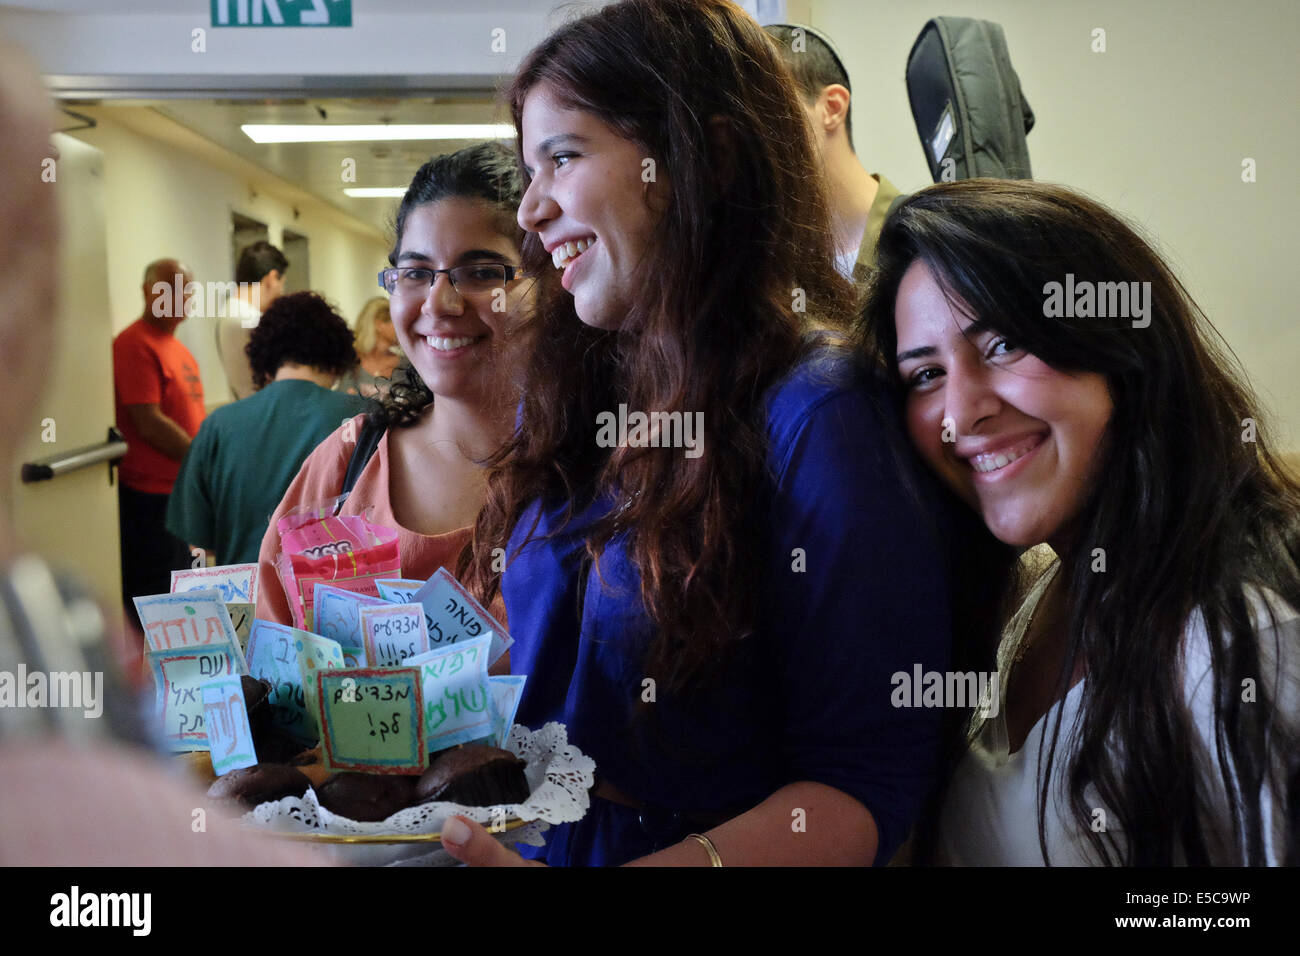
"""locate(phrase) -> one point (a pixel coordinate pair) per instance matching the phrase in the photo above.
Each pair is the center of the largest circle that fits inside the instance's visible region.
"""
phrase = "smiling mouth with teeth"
(566, 252)
(442, 344)
(992, 461)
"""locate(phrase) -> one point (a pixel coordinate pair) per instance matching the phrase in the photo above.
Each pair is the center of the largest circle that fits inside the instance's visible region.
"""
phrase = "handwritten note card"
(272, 657)
(506, 690)
(457, 707)
(398, 590)
(392, 633)
(289, 659)
(452, 615)
(190, 619)
(225, 719)
(241, 616)
(236, 582)
(315, 653)
(338, 613)
(354, 656)
(306, 584)
(371, 720)
(179, 674)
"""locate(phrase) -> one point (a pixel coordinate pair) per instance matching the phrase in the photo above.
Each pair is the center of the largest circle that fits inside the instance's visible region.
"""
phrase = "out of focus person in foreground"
(246, 453)
(77, 786)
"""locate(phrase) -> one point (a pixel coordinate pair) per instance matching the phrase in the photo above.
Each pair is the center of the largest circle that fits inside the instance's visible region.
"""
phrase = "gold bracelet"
(714, 858)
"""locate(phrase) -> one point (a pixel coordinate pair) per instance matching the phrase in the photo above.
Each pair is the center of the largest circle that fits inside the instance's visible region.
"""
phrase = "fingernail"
(455, 831)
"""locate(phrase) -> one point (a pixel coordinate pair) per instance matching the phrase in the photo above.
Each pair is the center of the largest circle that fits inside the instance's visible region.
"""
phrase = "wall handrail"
(112, 451)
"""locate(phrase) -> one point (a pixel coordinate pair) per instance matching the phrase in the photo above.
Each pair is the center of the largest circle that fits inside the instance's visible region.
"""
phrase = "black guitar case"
(970, 113)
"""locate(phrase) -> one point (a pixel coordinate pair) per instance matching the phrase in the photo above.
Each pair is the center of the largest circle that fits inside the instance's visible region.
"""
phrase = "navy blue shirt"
(853, 589)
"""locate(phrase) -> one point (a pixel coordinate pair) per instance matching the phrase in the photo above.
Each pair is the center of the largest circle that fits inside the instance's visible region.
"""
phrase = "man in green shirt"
(247, 453)
(859, 200)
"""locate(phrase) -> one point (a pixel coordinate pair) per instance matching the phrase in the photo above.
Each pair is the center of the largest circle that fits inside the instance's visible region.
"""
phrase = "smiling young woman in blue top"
(716, 625)
(1151, 676)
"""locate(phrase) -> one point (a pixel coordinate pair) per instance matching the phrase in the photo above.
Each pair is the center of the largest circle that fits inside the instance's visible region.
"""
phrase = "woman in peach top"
(457, 294)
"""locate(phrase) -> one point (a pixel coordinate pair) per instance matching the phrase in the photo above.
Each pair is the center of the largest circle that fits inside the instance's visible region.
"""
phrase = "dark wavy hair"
(1189, 511)
(712, 324)
(258, 260)
(304, 329)
(485, 171)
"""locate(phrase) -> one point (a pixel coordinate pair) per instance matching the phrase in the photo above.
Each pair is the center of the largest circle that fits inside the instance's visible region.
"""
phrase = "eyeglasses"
(478, 279)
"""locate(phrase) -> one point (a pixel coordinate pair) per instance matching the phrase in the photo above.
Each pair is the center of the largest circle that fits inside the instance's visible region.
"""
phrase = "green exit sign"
(281, 13)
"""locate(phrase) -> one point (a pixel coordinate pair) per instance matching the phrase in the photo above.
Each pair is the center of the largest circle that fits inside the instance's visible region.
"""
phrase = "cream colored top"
(990, 815)
(234, 332)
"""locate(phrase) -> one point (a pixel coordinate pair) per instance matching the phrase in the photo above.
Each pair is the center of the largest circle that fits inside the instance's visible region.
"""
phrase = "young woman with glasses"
(457, 296)
(716, 617)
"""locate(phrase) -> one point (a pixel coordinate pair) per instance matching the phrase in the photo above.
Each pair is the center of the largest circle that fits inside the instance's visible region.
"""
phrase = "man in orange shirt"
(159, 399)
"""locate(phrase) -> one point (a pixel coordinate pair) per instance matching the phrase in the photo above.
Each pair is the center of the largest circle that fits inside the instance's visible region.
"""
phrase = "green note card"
(372, 719)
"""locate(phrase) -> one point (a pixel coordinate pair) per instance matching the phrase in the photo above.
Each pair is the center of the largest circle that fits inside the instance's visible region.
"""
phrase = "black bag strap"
(367, 442)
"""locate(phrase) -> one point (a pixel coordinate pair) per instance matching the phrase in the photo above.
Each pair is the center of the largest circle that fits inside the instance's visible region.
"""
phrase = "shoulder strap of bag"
(367, 442)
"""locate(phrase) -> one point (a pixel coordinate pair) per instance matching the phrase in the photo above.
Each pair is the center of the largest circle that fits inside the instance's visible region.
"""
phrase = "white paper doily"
(559, 778)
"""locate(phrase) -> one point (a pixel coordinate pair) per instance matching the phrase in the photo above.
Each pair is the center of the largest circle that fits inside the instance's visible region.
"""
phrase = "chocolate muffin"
(312, 764)
(367, 797)
(259, 711)
(474, 776)
(272, 743)
(259, 784)
(305, 757)
(275, 745)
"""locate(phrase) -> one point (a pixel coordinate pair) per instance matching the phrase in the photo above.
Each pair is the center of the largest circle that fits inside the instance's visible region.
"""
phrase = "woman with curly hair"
(246, 453)
(456, 295)
(1060, 380)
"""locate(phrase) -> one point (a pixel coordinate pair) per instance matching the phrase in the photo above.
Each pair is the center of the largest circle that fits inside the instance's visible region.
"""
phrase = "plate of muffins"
(537, 779)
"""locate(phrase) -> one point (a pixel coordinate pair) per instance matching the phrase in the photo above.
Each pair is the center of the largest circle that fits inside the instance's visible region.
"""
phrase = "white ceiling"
(316, 167)
(203, 7)
(431, 71)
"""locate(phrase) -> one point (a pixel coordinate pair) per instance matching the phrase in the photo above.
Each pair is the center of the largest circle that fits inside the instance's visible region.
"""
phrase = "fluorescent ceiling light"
(375, 192)
(372, 132)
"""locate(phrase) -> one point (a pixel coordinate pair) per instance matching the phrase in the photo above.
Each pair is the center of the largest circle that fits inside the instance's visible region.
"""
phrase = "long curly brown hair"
(744, 241)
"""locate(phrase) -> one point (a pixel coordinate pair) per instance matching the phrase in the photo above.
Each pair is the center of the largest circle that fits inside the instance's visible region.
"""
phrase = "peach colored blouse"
(321, 479)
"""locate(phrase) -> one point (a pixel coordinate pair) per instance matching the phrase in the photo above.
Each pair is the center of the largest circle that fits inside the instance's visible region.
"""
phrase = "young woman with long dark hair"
(457, 297)
(715, 612)
(1060, 380)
